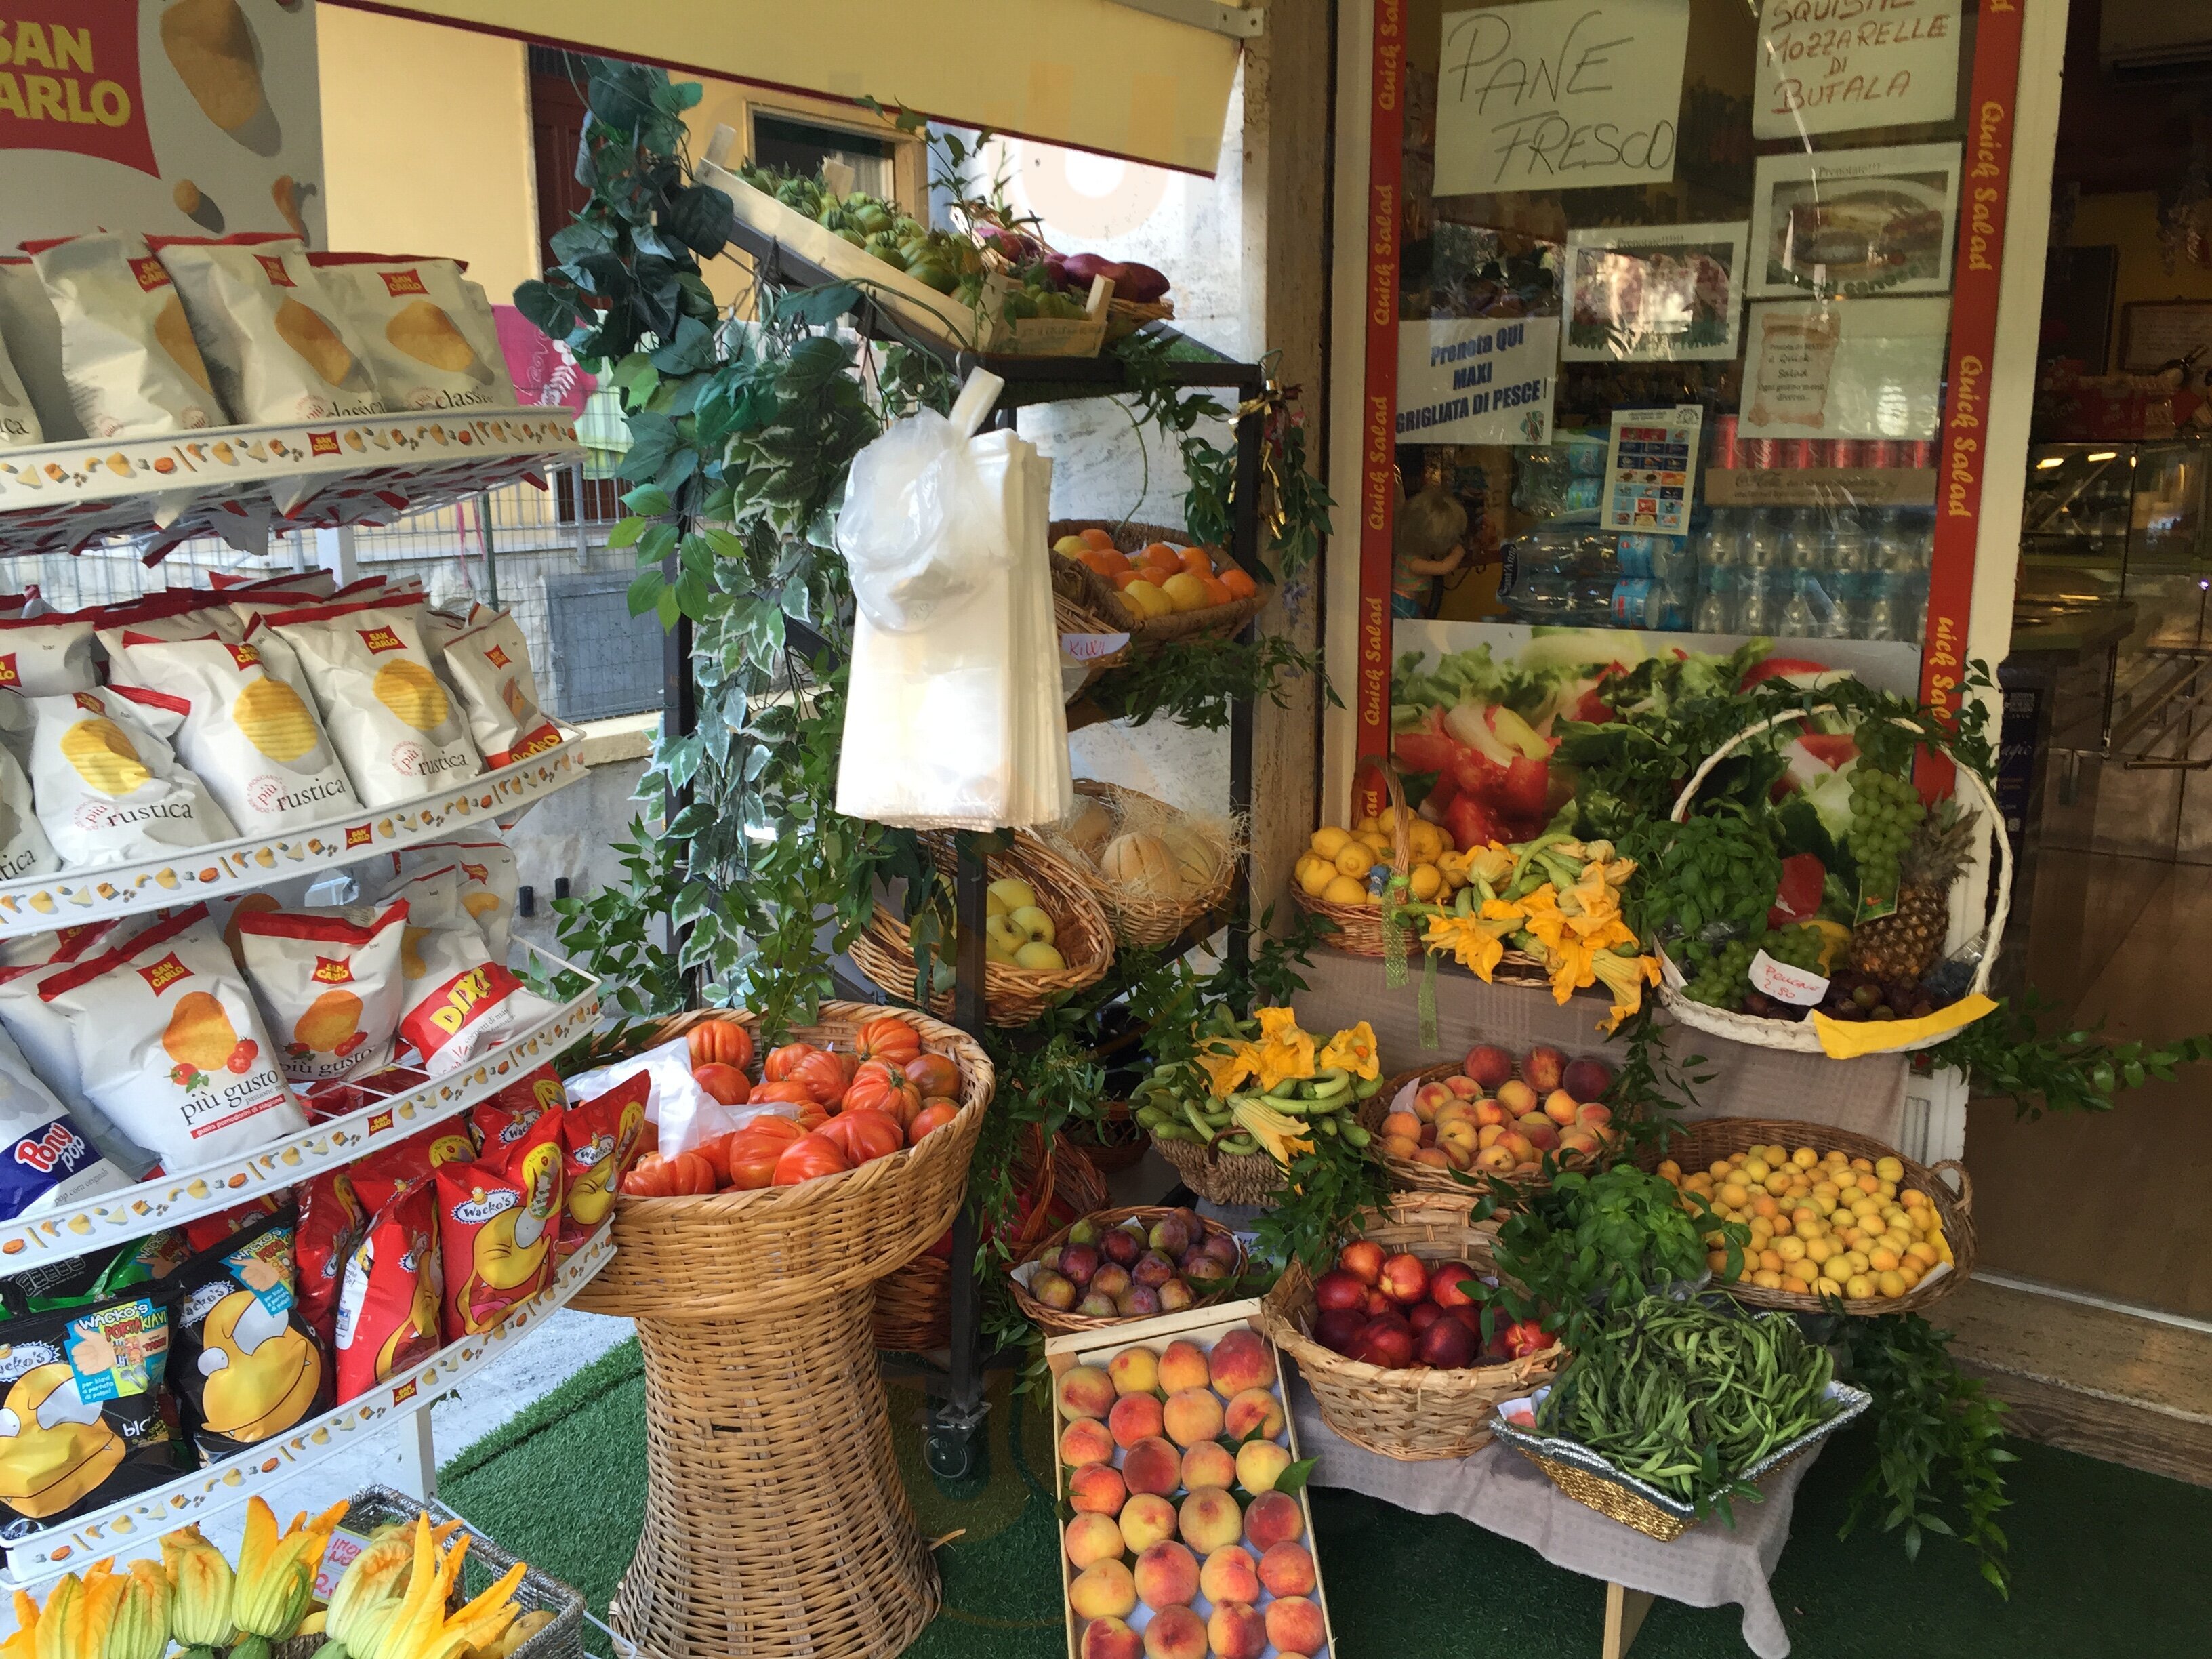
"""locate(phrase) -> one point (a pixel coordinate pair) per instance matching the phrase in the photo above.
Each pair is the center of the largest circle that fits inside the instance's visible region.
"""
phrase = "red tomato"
(808, 1157)
(723, 1042)
(724, 1083)
(811, 1115)
(780, 1061)
(934, 1074)
(655, 1176)
(889, 1039)
(753, 1158)
(824, 1075)
(774, 1127)
(878, 1089)
(865, 1135)
(935, 1116)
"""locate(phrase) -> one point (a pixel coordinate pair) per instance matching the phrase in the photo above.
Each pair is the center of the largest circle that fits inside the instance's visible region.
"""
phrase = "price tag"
(1786, 984)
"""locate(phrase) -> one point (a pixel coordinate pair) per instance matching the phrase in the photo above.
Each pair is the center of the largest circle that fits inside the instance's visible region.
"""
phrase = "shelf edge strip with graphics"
(140, 1519)
(70, 898)
(110, 1219)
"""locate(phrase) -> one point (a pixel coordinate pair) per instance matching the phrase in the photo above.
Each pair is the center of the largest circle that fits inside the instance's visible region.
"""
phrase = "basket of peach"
(1491, 1116)
(1149, 580)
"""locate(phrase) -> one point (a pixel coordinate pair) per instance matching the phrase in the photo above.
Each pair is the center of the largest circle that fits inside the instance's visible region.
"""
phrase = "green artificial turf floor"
(2105, 1560)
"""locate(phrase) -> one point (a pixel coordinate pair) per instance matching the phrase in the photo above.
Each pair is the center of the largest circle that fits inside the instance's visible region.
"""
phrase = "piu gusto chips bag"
(86, 1417)
(497, 1220)
(388, 1315)
(328, 984)
(247, 1364)
(599, 1140)
(389, 715)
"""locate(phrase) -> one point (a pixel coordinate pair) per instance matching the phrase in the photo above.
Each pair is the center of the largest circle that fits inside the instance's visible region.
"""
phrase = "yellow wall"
(426, 144)
(2129, 222)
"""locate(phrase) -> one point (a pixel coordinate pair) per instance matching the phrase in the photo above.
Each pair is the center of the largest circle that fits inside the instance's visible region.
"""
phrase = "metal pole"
(1244, 546)
(491, 555)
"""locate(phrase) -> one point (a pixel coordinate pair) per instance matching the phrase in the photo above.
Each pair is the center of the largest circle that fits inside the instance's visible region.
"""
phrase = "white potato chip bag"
(171, 1047)
(32, 333)
(488, 665)
(46, 1160)
(44, 1037)
(276, 347)
(252, 740)
(25, 848)
(460, 999)
(480, 884)
(181, 614)
(41, 656)
(128, 354)
(328, 984)
(407, 313)
(20, 427)
(108, 789)
(395, 726)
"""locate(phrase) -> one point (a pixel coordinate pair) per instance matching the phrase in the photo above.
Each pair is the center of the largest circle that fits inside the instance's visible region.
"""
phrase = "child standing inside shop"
(1429, 542)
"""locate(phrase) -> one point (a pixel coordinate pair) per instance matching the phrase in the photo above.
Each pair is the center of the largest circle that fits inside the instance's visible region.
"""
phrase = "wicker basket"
(1711, 1138)
(1070, 615)
(1359, 926)
(1057, 1323)
(1803, 1036)
(1417, 1413)
(1113, 1141)
(914, 1306)
(1249, 1181)
(1409, 1175)
(1146, 921)
(375, 1506)
(1012, 996)
(1125, 317)
(1095, 593)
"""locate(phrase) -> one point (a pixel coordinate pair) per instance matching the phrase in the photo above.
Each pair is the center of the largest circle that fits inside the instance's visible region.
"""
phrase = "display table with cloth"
(1502, 1492)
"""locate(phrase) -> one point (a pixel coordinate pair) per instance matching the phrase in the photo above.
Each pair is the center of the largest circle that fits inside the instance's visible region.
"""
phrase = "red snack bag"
(600, 1138)
(497, 1219)
(331, 1220)
(209, 1230)
(380, 1175)
(501, 1120)
(388, 1314)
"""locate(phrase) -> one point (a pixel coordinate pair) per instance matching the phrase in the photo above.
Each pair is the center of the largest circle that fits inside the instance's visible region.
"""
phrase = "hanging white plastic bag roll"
(919, 530)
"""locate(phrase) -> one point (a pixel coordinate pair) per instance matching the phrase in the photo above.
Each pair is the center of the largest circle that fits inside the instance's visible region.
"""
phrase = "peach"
(1463, 1088)
(1254, 1409)
(1167, 1576)
(1486, 1064)
(1489, 1135)
(1274, 1518)
(1399, 1146)
(1516, 1097)
(1457, 1111)
(1209, 1520)
(1192, 1415)
(1110, 1638)
(1183, 1366)
(1146, 1519)
(1461, 1141)
(1401, 1126)
(1097, 1489)
(1242, 1359)
(1435, 1156)
(1363, 1260)
(1093, 1538)
(1103, 1589)
(1544, 1069)
(1208, 1464)
(1517, 1142)
(1586, 1079)
(1490, 1112)
(1236, 1630)
(1294, 1625)
(1544, 1136)
(1260, 1464)
(1085, 1391)
(1230, 1575)
(1494, 1160)
(1175, 1633)
(1582, 1143)
(1288, 1569)
(1427, 1098)
(1085, 1441)
(1135, 1417)
(1405, 1279)
(1560, 1107)
(1134, 1370)
(1153, 1465)
(1592, 1115)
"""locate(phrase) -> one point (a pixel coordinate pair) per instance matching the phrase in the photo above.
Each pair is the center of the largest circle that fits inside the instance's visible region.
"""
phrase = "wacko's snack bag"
(128, 354)
(277, 347)
(483, 885)
(408, 315)
(107, 786)
(331, 1217)
(389, 1313)
(42, 655)
(33, 334)
(599, 1140)
(252, 739)
(171, 1046)
(394, 724)
(488, 665)
(499, 1121)
(86, 1414)
(45, 1037)
(328, 986)
(497, 1221)
(247, 1365)
(46, 1160)
(206, 1231)
(388, 1168)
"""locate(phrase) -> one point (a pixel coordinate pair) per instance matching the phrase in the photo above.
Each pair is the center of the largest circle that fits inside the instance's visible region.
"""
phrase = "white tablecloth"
(1502, 1492)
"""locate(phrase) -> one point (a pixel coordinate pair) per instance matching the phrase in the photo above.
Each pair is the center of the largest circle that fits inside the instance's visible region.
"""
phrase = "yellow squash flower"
(1354, 1051)
(368, 1594)
(1625, 977)
(1474, 942)
(1227, 1066)
(90, 1615)
(276, 1574)
(140, 1629)
(1283, 1058)
(200, 1581)
(24, 1643)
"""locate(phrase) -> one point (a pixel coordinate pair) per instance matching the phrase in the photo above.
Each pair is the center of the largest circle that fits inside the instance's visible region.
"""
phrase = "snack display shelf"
(138, 1519)
(241, 482)
(68, 898)
(111, 1219)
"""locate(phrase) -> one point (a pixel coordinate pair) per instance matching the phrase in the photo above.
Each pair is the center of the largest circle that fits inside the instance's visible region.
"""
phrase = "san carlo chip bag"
(484, 885)
(497, 1220)
(128, 354)
(328, 983)
(252, 740)
(46, 1160)
(488, 666)
(388, 1313)
(87, 1418)
(171, 1047)
(18, 421)
(501, 1120)
(599, 1139)
(276, 347)
(107, 787)
(42, 655)
(33, 334)
(43, 1035)
(388, 715)
(249, 1367)
(407, 313)
(25, 847)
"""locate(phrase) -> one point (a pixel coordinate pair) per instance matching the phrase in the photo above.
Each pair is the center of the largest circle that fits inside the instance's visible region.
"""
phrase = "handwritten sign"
(1561, 94)
(1839, 65)
(1476, 379)
(1857, 368)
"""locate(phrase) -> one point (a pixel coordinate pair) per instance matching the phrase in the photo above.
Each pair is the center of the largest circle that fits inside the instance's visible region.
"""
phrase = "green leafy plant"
(1196, 682)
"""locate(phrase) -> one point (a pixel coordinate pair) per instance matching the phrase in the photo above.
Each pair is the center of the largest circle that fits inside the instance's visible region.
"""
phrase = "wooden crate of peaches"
(1488, 1114)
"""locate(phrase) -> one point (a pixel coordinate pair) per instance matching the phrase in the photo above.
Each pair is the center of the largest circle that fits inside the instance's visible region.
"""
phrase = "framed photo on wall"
(2155, 332)
(1655, 293)
(1847, 223)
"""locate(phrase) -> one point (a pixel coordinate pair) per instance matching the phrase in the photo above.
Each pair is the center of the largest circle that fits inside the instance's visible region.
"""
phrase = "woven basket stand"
(1147, 922)
(1097, 595)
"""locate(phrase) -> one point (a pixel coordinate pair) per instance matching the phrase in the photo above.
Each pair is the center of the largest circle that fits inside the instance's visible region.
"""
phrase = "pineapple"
(1904, 944)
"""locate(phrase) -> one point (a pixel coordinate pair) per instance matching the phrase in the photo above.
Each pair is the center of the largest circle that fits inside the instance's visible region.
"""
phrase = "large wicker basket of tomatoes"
(858, 1167)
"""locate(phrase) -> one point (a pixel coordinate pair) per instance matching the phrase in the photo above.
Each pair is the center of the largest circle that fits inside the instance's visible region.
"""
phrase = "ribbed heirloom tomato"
(809, 1156)
(888, 1039)
(934, 1074)
(788, 1093)
(722, 1041)
(823, 1073)
(686, 1174)
(877, 1088)
(724, 1082)
(864, 1135)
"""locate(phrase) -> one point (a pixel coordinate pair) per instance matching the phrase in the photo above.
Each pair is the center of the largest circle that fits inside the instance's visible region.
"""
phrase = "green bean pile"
(1685, 1398)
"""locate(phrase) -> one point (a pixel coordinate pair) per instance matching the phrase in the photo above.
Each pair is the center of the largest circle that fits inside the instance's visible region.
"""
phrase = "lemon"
(1185, 592)
(1767, 1281)
(1859, 1288)
(1366, 824)
(1328, 841)
(1343, 890)
(1375, 842)
(1444, 838)
(1421, 836)
(1353, 861)
(1149, 601)
(1315, 874)
(1425, 881)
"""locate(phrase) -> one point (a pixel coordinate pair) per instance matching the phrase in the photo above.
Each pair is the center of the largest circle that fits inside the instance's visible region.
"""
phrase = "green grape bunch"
(1886, 811)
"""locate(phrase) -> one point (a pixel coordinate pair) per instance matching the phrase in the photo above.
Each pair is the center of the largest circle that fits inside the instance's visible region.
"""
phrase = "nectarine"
(1445, 1283)
(1167, 1576)
(1230, 1575)
(1363, 1260)
(1153, 1465)
(1586, 1079)
(1405, 1279)
(1274, 1518)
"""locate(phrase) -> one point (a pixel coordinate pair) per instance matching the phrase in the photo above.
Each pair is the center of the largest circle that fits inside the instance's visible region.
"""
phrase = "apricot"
(1134, 1370)
(1182, 1365)
(1093, 1538)
(1294, 1625)
(1236, 1630)
(1242, 1359)
(1192, 1415)
(1175, 1633)
(1146, 1519)
(1153, 1465)
(1230, 1575)
(1085, 1391)
(1208, 1464)
(1085, 1441)
(1135, 1417)
(1260, 1464)
(1209, 1521)
(1255, 1410)
(1288, 1569)
(1167, 1576)
(1104, 1589)
(1274, 1518)
(1097, 1489)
